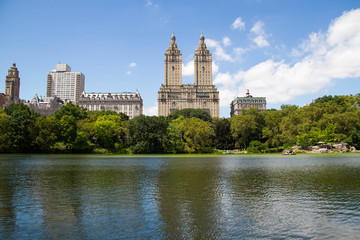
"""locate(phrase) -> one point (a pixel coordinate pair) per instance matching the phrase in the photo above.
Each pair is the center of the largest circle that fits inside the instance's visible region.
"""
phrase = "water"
(225, 197)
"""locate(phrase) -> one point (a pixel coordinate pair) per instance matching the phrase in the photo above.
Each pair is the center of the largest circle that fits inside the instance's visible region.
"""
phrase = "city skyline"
(287, 51)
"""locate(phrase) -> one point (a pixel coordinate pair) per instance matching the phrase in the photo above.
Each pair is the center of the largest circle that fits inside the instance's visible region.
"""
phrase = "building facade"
(65, 84)
(247, 102)
(129, 103)
(12, 86)
(45, 105)
(173, 95)
(2, 100)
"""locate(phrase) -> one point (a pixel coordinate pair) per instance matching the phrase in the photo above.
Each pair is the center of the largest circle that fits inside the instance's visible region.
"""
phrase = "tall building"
(247, 102)
(65, 84)
(129, 103)
(173, 95)
(12, 85)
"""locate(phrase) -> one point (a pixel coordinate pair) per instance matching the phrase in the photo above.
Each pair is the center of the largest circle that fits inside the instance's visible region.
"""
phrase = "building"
(45, 105)
(129, 103)
(247, 102)
(2, 100)
(174, 95)
(12, 86)
(65, 84)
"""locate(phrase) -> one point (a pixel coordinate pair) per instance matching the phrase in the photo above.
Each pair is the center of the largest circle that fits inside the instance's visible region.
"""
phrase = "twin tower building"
(173, 95)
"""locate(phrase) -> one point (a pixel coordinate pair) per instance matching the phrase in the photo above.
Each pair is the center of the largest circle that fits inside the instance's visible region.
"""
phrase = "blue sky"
(288, 51)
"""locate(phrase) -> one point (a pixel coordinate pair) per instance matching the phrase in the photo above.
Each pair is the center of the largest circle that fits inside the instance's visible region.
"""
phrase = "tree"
(256, 147)
(68, 130)
(70, 109)
(223, 138)
(247, 127)
(108, 130)
(20, 122)
(196, 133)
(271, 132)
(173, 143)
(4, 132)
(146, 134)
(191, 112)
(44, 134)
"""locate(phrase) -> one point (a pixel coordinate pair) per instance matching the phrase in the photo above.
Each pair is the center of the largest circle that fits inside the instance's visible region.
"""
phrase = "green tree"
(109, 129)
(4, 132)
(146, 134)
(191, 112)
(196, 133)
(82, 144)
(223, 138)
(256, 146)
(271, 132)
(247, 127)
(173, 143)
(20, 122)
(70, 109)
(68, 130)
(44, 134)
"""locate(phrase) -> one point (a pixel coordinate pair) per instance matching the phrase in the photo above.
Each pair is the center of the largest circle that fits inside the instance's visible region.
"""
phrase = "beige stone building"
(247, 102)
(174, 95)
(129, 103)
(12, 86)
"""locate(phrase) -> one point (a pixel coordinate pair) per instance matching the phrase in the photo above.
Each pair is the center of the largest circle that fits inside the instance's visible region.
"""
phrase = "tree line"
(71, 129)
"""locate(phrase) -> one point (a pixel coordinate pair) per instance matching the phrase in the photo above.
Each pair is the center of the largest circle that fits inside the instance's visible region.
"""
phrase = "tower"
(173, 61)
(202, 64)
(12, 84)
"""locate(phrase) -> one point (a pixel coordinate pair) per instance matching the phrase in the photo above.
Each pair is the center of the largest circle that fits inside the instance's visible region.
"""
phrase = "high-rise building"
(247, 102)
(65, 84)
(12, 85)
(129, 103)
(174, 95)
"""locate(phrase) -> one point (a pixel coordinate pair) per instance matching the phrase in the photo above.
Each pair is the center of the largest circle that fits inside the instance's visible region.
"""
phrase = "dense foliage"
(75, 130)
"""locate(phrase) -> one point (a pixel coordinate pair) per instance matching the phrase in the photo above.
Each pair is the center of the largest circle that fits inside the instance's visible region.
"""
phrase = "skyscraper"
(173, 95)
(65, 84)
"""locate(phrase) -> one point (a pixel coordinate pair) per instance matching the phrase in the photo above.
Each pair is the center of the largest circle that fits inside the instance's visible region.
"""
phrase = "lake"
(180, 197)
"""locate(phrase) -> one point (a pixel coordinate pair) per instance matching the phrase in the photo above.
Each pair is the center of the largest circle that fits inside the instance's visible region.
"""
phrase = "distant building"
(12, 86)
(65, 84)
(45, 105)
(2, 100)
(173, 95)
(129, 103)
(247, 102)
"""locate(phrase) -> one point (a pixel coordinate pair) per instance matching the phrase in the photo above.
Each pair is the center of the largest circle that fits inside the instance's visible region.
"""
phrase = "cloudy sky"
(289, 51)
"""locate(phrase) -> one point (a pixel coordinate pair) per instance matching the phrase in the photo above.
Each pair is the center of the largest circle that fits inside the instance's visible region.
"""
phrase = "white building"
(65, 84)
(129, 103)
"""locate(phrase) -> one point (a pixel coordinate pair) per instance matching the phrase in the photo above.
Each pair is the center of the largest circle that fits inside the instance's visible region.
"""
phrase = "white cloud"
(149, 3)
(132, 64)
(261, 41)
(188, 69)
(215, 67)
(151, 111)
(128, 72)
(238, 24)
(226, 41)
(219, 51)
(325, 57)
(260, 35)
(258, 28)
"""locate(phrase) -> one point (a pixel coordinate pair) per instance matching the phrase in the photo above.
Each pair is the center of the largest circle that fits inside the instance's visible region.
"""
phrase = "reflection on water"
(93, 197)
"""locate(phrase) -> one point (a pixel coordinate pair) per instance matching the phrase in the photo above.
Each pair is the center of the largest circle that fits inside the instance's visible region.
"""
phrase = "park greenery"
(329, 119)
